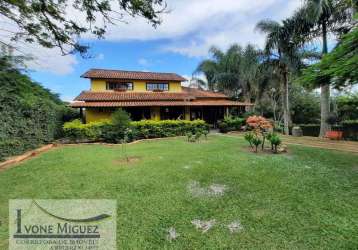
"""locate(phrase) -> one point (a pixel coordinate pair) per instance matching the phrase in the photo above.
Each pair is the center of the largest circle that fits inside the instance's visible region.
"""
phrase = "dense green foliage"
(305, 107)
(166, 128)
(30, 115)
(338, 67)
(57, 23)
(306, 199)
(118, 129)
(231, 124)
(348, 127)
(106, 131)
(235, 71)
(347, 107)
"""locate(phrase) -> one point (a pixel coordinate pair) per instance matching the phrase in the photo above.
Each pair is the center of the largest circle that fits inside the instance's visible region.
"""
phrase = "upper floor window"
(157, 86)
(119, 86)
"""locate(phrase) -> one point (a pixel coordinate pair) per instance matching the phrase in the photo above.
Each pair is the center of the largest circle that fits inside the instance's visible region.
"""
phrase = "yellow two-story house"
(149, 95)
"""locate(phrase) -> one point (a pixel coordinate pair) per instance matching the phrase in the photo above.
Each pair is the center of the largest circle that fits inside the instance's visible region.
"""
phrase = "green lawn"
(306, 199)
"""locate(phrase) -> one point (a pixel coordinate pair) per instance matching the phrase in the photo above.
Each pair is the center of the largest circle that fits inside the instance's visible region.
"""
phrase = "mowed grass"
(305, 199)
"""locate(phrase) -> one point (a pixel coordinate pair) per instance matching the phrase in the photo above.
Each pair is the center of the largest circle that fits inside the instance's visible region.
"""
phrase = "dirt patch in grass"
(211, 191)
(265, 151)
(355, 169)
(204, 226)
(127, 160)
(172, 234)
(235, 226)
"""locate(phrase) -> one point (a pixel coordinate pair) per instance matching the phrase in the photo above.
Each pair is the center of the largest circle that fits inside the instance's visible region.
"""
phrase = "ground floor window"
(139, 113)
(172, 113)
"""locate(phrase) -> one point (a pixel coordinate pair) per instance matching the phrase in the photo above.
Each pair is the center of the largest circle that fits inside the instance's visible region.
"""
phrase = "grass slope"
(306, 199)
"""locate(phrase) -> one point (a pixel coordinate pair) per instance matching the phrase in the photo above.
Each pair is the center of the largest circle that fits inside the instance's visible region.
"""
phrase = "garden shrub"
(262, 130)
(118, 128)
(231, 124)
(256, 141)
(196, 135)
(275, 141)
(106, 131)
(93, 131)
(249, 136)
(167, 128)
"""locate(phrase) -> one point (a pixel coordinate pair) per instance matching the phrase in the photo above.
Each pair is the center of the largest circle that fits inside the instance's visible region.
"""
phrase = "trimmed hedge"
(349, 128)
(105, 131)
(310, 129)
(30, 115)
(231, 124)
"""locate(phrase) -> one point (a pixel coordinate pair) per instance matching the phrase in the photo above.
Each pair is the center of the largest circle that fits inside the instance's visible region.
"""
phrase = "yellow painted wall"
(93, 114)
(98, 85)
(96, 115)
(138, 86)
(175, 87)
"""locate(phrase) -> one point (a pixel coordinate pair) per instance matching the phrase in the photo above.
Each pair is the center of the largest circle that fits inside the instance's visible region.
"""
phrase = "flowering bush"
(261, 131)
(259, 122)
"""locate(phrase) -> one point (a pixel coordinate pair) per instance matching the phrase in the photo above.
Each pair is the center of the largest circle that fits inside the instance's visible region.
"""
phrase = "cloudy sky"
(187, 32)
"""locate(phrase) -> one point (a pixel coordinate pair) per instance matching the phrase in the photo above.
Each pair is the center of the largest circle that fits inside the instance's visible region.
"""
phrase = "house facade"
(150, 95)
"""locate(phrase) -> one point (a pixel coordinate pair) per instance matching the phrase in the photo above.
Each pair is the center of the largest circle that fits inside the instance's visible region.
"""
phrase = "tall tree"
(58, 23)
(280, 51)
(233, 71)
(320, 17)
(249, 69)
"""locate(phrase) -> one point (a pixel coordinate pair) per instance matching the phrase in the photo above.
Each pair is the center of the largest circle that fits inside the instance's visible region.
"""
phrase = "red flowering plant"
(260, 126)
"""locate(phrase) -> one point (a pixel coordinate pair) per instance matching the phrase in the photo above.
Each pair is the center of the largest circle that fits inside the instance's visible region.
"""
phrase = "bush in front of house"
(118, 128)
(108, 132)
(77, 131)
(167, 128)
(231, 124)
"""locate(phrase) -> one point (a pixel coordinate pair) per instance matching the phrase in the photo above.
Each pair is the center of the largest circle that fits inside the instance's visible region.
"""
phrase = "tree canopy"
(338, 67)
(58, 23)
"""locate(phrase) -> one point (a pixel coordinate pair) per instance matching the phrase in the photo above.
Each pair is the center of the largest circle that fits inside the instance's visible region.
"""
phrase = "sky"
(183, 39)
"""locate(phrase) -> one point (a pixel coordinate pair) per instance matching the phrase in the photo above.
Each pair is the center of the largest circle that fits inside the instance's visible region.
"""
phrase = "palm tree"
(282, 55)
(318, 18)
(208, 68)
(249, 69)
(233, 71)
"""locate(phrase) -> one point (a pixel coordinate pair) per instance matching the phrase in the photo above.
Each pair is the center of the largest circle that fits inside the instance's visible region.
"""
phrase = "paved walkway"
(347, 146)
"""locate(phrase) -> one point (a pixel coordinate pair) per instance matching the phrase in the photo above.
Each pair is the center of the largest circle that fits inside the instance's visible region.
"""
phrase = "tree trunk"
(325, 90)
(285, 102)
(247, 99)
(325, 110)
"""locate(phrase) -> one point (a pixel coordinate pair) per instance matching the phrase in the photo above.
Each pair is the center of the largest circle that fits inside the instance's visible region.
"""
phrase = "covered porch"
(210, 114)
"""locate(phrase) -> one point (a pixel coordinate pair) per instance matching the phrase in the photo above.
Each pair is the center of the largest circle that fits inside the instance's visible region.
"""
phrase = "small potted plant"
(333, 134)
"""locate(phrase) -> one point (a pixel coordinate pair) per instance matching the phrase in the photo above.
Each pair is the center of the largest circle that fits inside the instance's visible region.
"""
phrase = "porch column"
(227, 113)
(155, 113)
(187, 113)
(82, 116)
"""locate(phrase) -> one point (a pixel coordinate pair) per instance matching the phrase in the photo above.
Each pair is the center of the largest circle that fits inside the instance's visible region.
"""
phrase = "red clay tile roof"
(132, 96)
(199, 93)
(132, 75)
(186, 94)
(157, 103)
